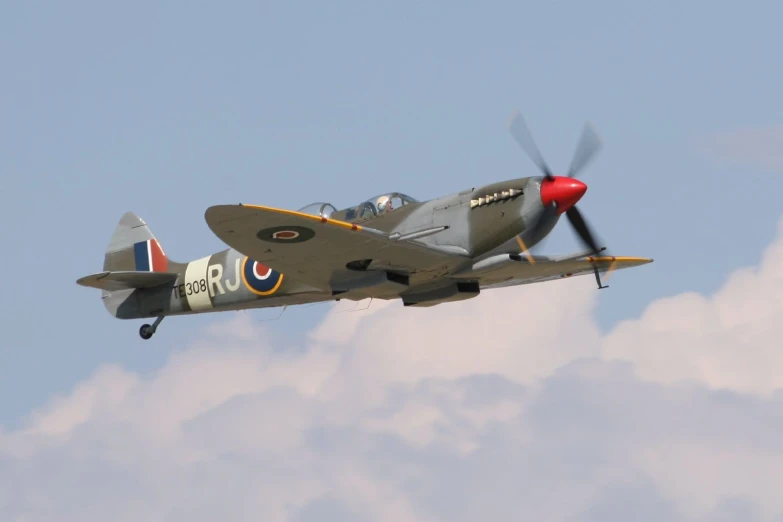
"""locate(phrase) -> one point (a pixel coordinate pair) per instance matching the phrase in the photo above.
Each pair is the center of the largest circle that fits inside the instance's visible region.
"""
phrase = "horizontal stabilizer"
(126, 280)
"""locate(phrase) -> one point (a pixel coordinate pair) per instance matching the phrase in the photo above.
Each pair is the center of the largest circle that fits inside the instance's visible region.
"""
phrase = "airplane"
(391, 246)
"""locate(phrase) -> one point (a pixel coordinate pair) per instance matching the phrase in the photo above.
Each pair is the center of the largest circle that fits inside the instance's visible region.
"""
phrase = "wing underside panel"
(524, 272)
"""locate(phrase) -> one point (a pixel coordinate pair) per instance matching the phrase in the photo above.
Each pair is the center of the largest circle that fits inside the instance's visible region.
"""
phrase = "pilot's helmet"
(382, 203)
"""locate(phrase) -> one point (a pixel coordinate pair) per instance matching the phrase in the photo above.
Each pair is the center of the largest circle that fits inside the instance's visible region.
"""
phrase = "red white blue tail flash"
(149, 256)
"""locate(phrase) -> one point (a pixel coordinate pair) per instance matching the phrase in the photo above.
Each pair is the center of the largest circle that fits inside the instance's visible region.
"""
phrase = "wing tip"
(621, 259)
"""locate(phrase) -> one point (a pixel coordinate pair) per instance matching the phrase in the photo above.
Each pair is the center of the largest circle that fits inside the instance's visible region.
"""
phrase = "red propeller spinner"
(563, 191)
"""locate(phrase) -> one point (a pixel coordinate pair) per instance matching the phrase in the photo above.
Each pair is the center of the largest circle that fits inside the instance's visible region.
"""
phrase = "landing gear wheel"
(146, 331)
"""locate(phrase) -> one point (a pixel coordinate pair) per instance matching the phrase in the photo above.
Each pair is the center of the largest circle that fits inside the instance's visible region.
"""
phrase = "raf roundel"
(259, 278)
(286, 234)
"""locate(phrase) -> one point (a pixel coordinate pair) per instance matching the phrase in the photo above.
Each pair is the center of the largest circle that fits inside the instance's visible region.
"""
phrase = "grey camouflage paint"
(216, 283)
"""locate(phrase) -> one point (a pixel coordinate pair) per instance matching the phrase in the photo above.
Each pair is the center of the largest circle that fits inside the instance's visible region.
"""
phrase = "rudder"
(134, 248)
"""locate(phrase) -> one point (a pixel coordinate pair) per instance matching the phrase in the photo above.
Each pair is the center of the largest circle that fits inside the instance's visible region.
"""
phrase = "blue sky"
(167, 108)
(658, 399)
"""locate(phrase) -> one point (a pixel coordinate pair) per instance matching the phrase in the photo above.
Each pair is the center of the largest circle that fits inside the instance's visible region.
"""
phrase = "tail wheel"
(146, 331)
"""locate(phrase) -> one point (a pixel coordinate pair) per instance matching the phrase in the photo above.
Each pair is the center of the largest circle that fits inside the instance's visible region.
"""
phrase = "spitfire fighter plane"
(388, 247)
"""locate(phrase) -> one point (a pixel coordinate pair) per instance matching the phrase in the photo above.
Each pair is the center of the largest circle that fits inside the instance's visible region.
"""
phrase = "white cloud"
(509, 406)
(729, 340)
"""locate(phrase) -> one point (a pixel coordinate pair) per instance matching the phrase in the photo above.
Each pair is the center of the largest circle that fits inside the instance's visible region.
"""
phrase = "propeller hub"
(563, 191)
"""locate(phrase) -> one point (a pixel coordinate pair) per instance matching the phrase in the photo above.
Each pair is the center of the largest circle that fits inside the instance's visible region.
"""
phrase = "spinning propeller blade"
(582, 230)
(520, 132)
(588, 147)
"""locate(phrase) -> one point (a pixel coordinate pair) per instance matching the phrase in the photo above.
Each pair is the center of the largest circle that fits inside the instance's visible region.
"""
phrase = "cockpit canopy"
(376, 206)
(318, 209)
(368, 209)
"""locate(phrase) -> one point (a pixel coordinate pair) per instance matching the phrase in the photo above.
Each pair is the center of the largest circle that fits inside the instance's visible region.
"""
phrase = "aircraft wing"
(517, 270)
(315, 249)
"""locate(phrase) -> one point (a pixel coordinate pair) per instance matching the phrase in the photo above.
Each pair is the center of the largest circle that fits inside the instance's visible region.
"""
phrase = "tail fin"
(133, 248)
(134, 259)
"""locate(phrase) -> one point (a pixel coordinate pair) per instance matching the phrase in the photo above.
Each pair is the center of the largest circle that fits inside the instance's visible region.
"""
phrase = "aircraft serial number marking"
(190, 288)
(213, 283)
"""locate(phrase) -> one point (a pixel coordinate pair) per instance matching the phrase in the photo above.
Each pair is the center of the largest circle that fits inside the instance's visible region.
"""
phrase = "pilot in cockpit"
(384, 204)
